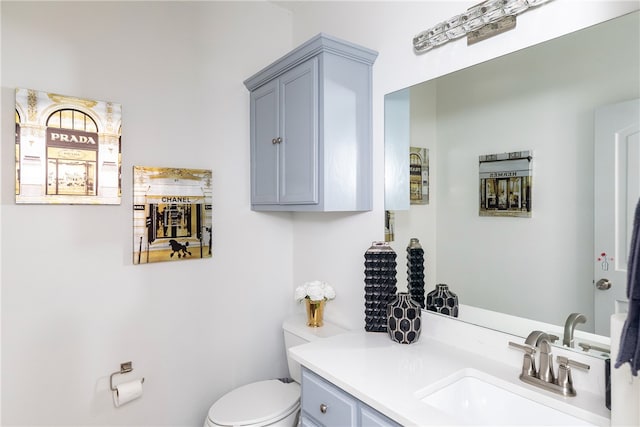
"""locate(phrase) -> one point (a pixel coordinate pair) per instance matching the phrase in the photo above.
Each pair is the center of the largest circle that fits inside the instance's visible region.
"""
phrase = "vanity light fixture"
(479, 22)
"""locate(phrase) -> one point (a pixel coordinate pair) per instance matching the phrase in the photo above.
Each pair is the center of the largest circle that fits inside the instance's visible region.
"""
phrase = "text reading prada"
(80, 139)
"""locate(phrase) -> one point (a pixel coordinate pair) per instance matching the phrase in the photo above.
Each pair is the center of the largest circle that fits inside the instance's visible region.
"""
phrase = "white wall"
(73, 305)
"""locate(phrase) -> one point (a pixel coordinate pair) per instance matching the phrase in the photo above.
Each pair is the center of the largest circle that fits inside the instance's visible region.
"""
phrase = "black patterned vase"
(442, 300)
(379, 285)
(415, 271)
(404, 319)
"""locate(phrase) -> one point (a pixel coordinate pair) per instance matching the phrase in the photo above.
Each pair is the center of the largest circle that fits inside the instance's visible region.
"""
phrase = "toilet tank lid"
(297, 325)
(256, 403)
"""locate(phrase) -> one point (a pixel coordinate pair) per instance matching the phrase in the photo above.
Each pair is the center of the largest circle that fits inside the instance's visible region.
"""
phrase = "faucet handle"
(586, 347)
(564, 374)
(528, 363)
(566, 362)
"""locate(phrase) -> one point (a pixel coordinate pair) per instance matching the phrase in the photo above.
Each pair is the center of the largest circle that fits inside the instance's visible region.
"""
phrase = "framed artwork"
(418, 176)
(389, 226)
(68, 149)
(505, 184)
(172, 214)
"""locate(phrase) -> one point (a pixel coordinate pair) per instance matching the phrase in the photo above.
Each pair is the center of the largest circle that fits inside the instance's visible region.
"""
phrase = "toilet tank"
(296, 332)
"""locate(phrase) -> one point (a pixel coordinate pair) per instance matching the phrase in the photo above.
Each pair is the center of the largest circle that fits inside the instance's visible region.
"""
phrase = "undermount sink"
(473, 397)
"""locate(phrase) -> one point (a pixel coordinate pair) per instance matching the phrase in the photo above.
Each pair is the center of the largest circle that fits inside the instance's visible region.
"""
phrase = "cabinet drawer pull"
(323, 408)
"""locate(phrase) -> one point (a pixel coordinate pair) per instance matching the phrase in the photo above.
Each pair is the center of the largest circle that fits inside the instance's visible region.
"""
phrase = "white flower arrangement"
(315, 291)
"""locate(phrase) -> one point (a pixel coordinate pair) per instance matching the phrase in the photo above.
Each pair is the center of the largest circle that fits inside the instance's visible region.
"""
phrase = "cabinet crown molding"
(316, 45)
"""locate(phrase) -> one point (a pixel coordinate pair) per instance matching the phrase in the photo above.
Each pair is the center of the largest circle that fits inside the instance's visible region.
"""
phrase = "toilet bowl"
(263, 403)
(273, 402)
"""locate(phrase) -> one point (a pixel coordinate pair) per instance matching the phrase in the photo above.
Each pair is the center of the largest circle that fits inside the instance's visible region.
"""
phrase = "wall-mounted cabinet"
(311, 129)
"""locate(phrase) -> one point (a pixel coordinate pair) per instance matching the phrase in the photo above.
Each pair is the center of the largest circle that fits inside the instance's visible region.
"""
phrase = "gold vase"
(315, 312)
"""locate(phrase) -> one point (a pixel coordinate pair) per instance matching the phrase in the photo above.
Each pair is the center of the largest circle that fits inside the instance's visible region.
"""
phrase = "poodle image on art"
(178, 248)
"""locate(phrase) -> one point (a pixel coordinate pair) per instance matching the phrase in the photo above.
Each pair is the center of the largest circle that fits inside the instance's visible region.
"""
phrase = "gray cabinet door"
(298, 90)
(264, 152)
(284, 152)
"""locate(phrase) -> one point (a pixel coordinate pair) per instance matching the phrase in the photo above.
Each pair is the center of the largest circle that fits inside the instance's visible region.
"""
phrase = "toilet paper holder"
(125, 368)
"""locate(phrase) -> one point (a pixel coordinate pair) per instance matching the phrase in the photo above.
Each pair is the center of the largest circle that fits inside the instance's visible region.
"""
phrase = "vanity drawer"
(326, 403)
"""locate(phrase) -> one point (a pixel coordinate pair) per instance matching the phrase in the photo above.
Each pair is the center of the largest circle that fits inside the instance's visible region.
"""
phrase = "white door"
(616, 193)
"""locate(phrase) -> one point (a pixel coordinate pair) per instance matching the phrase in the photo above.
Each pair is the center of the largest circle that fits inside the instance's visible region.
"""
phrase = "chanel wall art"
(172, 214)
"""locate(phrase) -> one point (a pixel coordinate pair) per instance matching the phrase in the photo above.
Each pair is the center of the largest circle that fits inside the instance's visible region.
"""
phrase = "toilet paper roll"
(126, 392)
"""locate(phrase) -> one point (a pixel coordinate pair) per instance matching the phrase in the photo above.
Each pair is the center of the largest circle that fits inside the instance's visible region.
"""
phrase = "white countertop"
(389, 376)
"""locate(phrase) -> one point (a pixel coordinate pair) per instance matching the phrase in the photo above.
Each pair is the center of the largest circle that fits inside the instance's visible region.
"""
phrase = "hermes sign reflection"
(505, 184)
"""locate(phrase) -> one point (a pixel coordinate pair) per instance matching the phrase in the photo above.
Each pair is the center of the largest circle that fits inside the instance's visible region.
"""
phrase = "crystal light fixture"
(486, 13)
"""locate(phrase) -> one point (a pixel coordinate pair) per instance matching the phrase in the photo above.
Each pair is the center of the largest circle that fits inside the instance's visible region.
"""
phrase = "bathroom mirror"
(540, 99)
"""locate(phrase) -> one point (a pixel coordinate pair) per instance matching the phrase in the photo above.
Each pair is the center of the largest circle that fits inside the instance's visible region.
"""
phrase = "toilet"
(273, 402)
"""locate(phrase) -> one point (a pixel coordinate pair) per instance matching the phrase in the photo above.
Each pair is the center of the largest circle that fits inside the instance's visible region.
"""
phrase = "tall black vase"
(379, 285)
(415, 271)
(442, 300)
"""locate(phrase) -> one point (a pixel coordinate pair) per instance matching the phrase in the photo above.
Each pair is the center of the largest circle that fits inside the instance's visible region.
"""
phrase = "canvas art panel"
(389, 226)
(505, 184)
(68, 149)
(172, 214)
(419, 175)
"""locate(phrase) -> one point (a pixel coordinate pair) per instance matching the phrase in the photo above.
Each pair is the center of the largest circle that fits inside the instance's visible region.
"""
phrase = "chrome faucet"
(570, 326)
(538, 341)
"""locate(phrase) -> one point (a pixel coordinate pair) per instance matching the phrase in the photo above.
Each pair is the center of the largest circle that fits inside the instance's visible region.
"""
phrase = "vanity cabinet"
(310, 129)
(324, 404)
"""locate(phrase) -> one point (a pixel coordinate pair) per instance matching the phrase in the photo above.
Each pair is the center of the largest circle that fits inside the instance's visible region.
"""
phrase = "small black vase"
(442, 300)
(415, 271)
(404, 319)
(379, 285)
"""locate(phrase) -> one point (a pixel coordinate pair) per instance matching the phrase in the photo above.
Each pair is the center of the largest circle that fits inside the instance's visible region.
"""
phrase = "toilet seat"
(255, 404)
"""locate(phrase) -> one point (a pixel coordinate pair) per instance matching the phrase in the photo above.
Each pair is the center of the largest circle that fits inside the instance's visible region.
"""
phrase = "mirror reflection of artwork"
(505, 184)
(68, 149)
(419, 175)
(172, 214)
(490, 194)
(389, 226)
(515, 198)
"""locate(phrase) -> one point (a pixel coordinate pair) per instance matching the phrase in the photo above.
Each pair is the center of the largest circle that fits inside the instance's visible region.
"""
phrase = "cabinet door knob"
(278, 140)
(323, 408)
(274, 141)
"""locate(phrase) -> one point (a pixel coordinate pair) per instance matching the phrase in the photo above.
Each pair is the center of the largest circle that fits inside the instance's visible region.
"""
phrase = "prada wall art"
(68, 149)
(172, 214)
